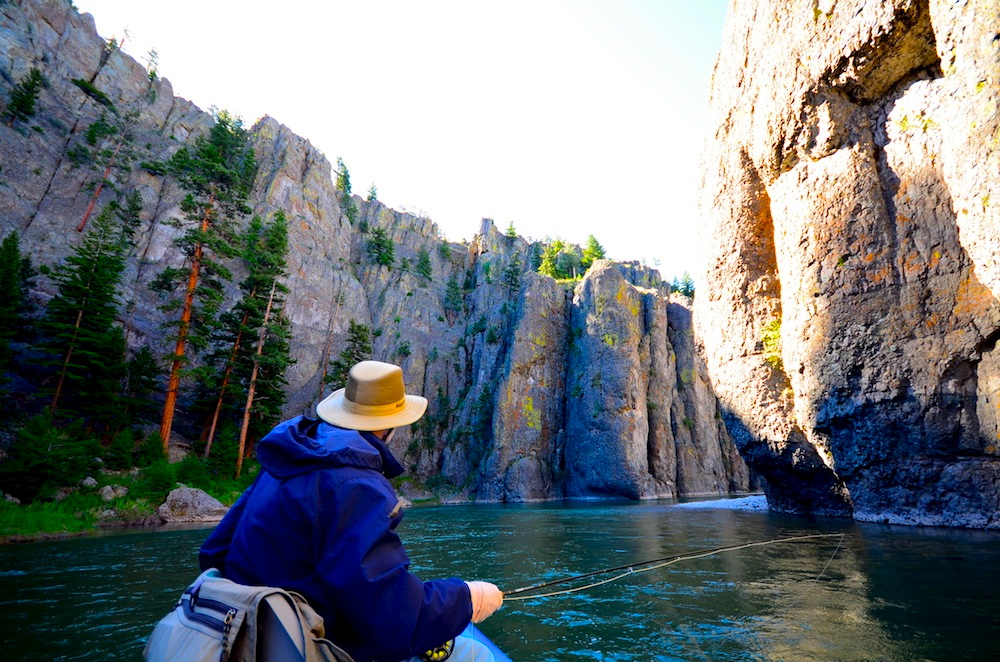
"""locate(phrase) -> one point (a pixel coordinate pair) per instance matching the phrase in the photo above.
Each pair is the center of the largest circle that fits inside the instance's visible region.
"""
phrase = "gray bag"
(217, 620)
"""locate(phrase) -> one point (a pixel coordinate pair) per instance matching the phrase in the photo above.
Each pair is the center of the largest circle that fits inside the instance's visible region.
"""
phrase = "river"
(877, 593)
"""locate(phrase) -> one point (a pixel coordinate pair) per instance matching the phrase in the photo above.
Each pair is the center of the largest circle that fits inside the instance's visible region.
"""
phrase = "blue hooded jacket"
(320, 520)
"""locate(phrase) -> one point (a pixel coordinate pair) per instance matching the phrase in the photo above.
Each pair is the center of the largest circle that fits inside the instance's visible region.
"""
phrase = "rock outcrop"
(536, 392)
(850, 199)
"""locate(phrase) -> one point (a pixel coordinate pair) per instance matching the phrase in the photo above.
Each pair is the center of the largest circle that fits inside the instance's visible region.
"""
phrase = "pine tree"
(109, 149)
(372, 193)
(511, 278)
(593, 252)
(255, 324)
(254, 376)
(560, 260)
(142, 378)
(24, 96)
(550, 254)
(684, 286)
(343, 177)
(511, 232)
(424, 267)
(273, 364)
(380, 248)
(81, 335)
(344, 186)
(217, 174)
(358, 348)
(454, 301)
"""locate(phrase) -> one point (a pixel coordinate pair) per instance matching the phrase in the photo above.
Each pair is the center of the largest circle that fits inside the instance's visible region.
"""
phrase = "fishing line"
(815, 579)
(656, 564)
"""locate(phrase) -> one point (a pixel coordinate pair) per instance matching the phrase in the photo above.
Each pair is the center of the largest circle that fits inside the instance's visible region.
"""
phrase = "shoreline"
(752, 502)
(104, 528)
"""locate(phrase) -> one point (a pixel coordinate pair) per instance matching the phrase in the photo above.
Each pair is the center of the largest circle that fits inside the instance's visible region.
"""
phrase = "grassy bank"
(80, 510)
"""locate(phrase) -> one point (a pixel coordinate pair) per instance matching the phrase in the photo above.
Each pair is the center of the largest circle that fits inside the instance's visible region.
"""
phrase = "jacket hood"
(305, 444)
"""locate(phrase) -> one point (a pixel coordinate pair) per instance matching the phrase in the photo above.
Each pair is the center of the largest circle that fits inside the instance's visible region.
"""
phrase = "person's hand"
(486, 599)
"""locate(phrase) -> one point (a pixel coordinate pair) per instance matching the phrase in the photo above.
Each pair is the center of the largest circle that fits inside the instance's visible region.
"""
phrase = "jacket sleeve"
(215, 550)
(391, 612)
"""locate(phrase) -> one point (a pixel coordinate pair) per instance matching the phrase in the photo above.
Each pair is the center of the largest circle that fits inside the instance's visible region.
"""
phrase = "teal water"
(886, 593)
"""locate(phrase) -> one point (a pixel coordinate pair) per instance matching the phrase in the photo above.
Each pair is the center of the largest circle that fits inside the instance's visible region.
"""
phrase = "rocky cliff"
(537, 389)
(850, 204)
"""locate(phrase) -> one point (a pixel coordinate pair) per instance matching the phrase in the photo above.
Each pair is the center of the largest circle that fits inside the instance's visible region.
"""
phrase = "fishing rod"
(653, 564)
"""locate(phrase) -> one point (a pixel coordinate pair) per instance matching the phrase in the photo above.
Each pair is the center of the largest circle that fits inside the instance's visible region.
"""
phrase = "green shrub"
(193, 472)
(44, 458)
(157, 479)
(221, 464)
(771, 340)
(119, 453)
(97, 95)
(150, 450)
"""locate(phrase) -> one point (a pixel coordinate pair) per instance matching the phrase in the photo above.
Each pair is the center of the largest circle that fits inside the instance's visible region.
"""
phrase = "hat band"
(374, 410)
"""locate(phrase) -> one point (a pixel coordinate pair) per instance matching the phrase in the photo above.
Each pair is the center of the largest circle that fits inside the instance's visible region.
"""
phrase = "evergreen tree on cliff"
(592, 252)
(109, 149)
(264, 251)
(217, 174)
(24, 96)
(344, 187)
(358, 348)
(684, 286)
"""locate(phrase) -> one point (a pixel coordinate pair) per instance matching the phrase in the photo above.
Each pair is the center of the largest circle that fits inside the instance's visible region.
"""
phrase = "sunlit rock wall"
(850, 315)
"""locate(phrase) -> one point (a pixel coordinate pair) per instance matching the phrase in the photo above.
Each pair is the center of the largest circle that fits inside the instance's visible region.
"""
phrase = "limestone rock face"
(527, 427)
(849, 194)
(189, 504)
(535, 392)
(607, 427)
(629, 429)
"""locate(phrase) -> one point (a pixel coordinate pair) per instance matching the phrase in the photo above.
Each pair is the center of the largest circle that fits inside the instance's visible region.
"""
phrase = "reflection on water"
(889, 593)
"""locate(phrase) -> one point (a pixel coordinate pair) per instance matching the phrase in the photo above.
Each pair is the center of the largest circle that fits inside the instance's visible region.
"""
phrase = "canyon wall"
(537, 389)
(850, 203)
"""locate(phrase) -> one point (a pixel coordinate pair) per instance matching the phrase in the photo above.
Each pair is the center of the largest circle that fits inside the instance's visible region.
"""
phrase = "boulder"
(189, 504)
(63, 492)
(111, 492)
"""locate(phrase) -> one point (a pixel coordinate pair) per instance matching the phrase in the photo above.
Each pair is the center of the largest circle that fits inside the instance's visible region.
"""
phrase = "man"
(321, 518)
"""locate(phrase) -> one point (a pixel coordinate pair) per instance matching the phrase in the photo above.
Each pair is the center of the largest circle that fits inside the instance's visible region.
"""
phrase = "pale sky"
(565, 117)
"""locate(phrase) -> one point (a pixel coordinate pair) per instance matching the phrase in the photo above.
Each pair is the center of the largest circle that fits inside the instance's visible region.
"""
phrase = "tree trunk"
(65, 365)
(334, 315)
(107, 172)
(253, 381)
(222, 389)
(179, 350)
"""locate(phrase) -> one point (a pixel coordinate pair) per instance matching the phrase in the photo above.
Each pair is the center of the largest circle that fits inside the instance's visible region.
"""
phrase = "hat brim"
(333, 411)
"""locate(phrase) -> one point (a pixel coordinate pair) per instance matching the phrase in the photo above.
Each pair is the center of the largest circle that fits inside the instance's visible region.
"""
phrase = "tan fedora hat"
(375, 399)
